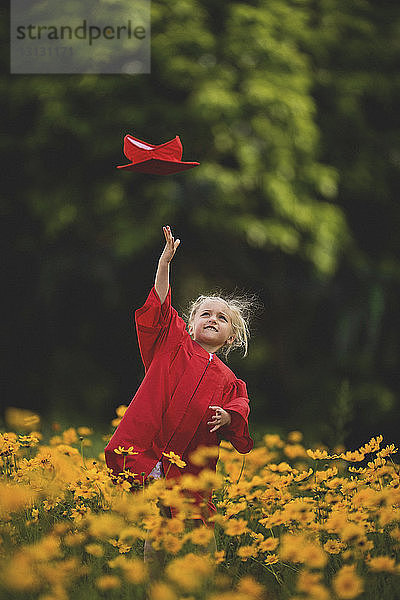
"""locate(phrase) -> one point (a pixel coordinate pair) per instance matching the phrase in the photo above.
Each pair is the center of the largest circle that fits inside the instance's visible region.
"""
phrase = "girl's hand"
(170, 245)
(220, 418)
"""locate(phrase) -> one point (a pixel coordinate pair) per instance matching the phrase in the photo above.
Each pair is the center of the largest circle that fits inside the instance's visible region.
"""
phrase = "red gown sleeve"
(157, 324)
(236, 402)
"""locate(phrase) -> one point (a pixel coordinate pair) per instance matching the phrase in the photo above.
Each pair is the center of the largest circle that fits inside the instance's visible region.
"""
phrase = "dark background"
(292, 109)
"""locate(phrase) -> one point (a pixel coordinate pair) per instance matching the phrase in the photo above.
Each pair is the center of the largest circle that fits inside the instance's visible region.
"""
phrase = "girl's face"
(211, 326)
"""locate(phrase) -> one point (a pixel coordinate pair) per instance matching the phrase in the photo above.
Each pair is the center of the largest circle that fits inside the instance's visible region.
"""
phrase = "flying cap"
(164, 159)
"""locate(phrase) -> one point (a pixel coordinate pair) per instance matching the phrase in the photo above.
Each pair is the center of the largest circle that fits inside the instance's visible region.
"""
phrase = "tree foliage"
(290, 108)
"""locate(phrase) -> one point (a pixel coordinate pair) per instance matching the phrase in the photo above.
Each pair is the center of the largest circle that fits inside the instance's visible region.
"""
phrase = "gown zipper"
(195, 390)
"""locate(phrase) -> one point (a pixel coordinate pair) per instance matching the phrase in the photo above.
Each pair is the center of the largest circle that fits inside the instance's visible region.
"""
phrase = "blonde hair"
(240, 309)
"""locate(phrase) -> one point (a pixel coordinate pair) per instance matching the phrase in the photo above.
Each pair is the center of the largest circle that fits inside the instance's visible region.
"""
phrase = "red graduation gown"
(170, 409)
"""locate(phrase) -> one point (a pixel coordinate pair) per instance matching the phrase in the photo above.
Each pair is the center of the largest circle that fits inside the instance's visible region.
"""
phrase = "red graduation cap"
(161, 160)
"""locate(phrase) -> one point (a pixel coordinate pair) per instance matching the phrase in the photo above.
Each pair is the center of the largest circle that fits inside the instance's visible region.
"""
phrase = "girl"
(188, 397)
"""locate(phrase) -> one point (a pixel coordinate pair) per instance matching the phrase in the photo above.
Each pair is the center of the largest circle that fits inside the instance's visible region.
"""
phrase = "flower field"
(291, 522)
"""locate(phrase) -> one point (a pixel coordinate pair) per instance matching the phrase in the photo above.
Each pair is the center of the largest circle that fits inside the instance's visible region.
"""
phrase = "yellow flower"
(83, 431)
(28, 441)
(121, 410)
(388, 515)
(257, 537)
(283, 467)
(246, 552)
(45, 549)
(127, 473)
(273, 441)
(105, 525)
(352, 532)
(366, 497)
(269, 544)
(201, 536)
(190, 571)
(318, 454)
(294, 436)
(122, 548)
(74, 539)
(219, 556)
(235, 527)
(373, 445)
(395, 533)
(175, 459)
(135, 571)
(55, 440)
(388, 450)
(202, 455)
(325, 475)
(235, 508)
(162, 591)
(310, 583)
(172, 543)
(303, 475)
(95, 550)
(383, 563)
(21, 419)
(333, 546)
(250, 588)
(67, 450)
(127, 451)
(175, 526)
(108, 582)
(8, 444)
(293, 451)
(130, 533)
(297, 548)
(271, 559)
(314, 556)
(347, 584)
(14, 498)
(299, 510)
(336, 521)
(60, 528)
(21, 563)
(70, 436)
(355, 456)
(208, 479)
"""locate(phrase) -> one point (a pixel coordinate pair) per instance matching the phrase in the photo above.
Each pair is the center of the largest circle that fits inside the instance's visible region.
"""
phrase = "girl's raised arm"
(161, 283)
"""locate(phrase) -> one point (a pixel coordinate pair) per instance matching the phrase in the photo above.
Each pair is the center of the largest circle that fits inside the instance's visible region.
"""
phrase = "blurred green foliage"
(291, 108)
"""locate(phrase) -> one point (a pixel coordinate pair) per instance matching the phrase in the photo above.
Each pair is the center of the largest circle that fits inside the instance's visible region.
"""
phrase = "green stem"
(82, 454)
(269, 569)
(241, 470)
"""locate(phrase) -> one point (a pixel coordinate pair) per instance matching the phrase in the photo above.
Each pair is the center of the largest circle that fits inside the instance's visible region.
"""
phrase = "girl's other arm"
(161, 283)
